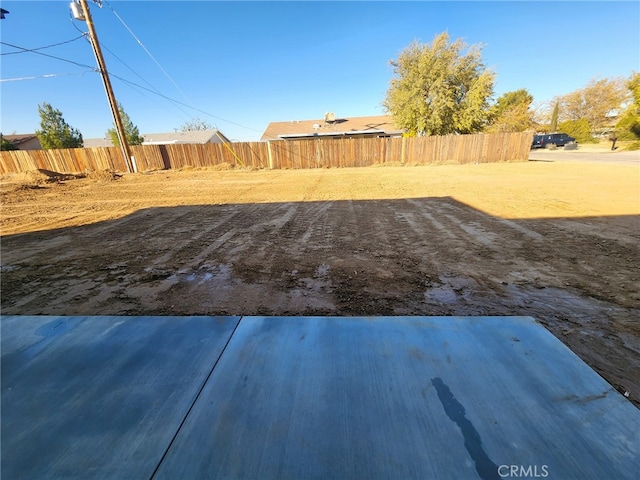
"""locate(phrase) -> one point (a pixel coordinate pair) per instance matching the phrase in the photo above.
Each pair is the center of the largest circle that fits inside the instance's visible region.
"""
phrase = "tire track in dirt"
(228, 261)
(171, 260)
(519, 276)
(356, 248)
(468, 264)
(89, 277)
(276, 258)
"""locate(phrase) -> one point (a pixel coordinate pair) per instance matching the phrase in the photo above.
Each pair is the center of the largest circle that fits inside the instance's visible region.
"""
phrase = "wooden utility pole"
(122, 137)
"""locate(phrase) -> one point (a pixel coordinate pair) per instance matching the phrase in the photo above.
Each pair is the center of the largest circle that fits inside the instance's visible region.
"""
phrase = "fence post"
(402, 147)
(270, 154)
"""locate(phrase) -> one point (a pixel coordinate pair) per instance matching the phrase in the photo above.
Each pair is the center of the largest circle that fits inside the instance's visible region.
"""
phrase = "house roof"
(17, 140)
(383, 124)
(96, 142)
(195, 136)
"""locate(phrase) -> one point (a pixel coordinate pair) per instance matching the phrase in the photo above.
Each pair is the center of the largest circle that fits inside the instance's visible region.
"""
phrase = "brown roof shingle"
(24, 141)
(280, 130)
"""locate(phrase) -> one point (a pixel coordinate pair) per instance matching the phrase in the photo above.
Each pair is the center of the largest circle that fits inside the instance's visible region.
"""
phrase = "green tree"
(593, 102)
(54, 131)
(130, 130)
(578, 129)
(196, 124)
(628, 127)
(438, 89)
(511, 112)
(554, 118)
(6, 144)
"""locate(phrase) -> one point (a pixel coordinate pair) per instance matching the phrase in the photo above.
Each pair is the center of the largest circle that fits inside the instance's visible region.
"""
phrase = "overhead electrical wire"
(147, 51)
(94, 69)
(27, 50)
(50, 56)
(183, 104)
(71, 18)
(155, 90)
(294, 153)
(47, 75)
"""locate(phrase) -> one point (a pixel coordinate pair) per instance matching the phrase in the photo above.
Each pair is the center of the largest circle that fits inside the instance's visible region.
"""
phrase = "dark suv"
(552, 140)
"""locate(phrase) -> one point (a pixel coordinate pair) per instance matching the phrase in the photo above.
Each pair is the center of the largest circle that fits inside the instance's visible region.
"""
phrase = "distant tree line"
(443, 87)
(55, 132)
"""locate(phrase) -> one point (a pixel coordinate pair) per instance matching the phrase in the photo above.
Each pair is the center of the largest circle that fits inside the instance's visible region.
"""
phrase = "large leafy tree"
(628, 126)
(593, 102)
(54, 131)
(512, 113)
(130, 130)
(439, 88)
(553, 127)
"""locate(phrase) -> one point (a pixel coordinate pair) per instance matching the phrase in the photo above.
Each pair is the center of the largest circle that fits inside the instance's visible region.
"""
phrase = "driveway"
(605, 156)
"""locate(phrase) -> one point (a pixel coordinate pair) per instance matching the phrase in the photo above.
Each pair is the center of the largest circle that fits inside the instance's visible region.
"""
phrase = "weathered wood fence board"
(313, 153)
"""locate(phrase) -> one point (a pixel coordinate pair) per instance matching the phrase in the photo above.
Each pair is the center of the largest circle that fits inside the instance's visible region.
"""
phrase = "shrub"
(579, 129)
(6, 144)
(628, 128)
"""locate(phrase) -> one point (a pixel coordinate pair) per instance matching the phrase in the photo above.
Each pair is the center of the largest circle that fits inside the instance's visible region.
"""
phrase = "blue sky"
(245, 64)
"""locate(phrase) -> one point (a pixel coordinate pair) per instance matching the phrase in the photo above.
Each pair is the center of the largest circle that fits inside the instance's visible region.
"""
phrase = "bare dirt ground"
(555, 241)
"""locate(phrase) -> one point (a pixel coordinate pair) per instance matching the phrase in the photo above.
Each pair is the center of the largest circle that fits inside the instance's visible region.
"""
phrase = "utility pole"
(122, 137)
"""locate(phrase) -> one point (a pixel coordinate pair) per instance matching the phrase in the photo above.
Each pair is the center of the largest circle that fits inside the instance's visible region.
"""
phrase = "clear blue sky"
(249, 63)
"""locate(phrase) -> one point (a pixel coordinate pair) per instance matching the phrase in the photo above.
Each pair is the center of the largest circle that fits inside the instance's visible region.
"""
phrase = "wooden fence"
(314, 153)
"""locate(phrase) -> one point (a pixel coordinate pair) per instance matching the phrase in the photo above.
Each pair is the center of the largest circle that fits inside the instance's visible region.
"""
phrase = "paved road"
(625, 158)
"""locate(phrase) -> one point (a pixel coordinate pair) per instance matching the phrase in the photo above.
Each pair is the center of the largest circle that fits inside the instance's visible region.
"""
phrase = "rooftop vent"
(329, 117)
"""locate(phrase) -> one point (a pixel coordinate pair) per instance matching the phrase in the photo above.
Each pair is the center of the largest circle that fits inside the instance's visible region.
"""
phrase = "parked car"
(552, 140)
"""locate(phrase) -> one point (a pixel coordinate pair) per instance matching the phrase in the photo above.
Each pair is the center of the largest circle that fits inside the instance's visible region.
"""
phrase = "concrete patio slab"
(404, 397)
(305, 397)
(100, 397)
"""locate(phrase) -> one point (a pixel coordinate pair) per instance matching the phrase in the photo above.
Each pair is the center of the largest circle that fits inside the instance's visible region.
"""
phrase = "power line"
(155, 90)
(148, 52)
(72, 18)
(93, 69)
(47, 75)
(25, 50)
(184, 104)
(47, 55)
